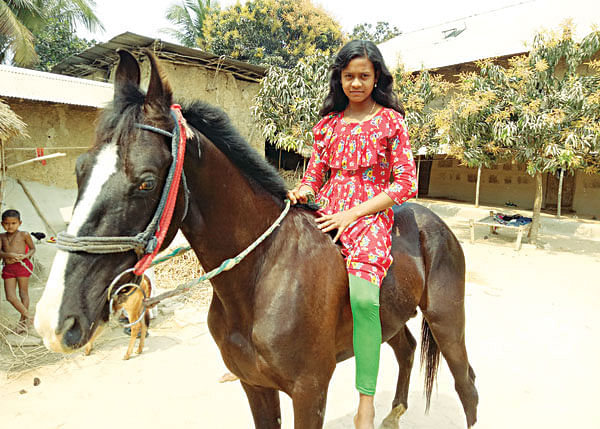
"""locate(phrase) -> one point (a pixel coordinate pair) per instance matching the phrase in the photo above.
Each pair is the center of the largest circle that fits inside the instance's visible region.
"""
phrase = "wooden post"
(418, 174)
(2, 172)
(37, 208)
(560, 184)
(477, 188)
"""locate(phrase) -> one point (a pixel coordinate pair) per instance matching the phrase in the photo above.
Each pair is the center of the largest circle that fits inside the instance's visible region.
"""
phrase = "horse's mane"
(117, 123)
(216, 126)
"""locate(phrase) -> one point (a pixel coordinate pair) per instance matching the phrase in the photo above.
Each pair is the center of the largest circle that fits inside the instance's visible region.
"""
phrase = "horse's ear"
(159, 91)
(128, 71)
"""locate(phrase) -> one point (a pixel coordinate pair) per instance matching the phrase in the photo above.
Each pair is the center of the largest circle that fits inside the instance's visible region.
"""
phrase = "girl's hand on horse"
(339, 221)
(300, 194)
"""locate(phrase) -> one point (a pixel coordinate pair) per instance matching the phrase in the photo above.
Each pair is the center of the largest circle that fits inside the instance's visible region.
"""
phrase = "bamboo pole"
(477, 187)
(37, 208)
(39, 158)
(2, 171)
(560, 185)
(49, 148)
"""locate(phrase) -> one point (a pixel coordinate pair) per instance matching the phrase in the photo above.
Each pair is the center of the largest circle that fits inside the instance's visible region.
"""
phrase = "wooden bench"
(489, 221)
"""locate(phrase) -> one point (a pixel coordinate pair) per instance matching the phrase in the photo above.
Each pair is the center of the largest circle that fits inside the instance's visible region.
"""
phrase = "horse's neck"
(226, 214)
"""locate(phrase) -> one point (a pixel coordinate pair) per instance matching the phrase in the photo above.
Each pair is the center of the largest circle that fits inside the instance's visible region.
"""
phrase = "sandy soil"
(532, 334)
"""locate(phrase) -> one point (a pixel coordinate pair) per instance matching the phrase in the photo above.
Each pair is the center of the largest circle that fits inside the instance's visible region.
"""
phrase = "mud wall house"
(60, 114)
(454, 47)
(192, 73)
(11, 126)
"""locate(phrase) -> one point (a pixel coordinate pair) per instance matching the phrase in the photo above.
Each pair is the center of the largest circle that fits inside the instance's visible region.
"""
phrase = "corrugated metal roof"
(496, 33)
(102, 57)
(29, 84)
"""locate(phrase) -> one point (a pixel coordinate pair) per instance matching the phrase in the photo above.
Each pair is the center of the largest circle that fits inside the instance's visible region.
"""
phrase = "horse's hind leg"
(445, 315)
(403, 344)
(264, 404)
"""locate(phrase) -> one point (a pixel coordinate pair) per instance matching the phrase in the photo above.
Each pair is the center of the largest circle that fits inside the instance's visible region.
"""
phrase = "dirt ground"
(532, 334)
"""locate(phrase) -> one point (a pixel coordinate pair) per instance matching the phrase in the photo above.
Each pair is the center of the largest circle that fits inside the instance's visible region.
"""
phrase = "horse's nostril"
(72, 332)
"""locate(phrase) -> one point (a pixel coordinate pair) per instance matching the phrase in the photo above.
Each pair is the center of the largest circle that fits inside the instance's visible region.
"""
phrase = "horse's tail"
(430, 360)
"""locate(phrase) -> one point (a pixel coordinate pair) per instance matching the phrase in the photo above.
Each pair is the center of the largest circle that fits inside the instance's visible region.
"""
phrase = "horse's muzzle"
(71, 333)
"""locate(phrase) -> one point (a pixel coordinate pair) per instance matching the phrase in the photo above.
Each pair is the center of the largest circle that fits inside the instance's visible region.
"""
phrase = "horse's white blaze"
(46, 315)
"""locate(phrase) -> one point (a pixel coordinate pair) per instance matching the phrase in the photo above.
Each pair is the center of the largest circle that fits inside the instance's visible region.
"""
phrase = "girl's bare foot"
(364, 422)
(228, 376)
(365, 416)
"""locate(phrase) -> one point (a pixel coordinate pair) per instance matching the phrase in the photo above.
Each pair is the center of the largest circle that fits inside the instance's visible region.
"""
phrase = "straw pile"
(14, 357)
(182, 269)
(291, 177)
(10, 124)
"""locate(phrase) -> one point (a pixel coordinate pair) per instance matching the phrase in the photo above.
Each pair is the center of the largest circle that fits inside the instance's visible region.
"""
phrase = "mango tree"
(288, 103)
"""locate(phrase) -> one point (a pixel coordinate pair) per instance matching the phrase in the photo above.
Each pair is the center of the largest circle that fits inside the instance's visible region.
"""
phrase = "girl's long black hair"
(383, 92)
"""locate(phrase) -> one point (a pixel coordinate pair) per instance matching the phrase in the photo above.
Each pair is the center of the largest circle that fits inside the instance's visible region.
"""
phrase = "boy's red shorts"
(15, 270)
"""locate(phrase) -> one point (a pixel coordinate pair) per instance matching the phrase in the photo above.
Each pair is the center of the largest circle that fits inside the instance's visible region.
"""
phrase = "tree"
(55, 42)
(189, 17)
(421, 94)
(382, 32)
(541, 111)
(274, 32)
(288, 102)
(19, 19)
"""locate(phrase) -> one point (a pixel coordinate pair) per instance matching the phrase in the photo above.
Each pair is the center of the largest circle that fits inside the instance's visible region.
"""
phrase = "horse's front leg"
(264, 404)
(309, 399)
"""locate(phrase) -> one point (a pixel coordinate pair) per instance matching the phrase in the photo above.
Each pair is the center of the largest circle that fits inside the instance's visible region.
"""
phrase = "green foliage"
(540, 111)
(288, 103)
(382, 32)
(189, 18)
(20, 19)
(421, 94)
(274, 32)
(56, 42)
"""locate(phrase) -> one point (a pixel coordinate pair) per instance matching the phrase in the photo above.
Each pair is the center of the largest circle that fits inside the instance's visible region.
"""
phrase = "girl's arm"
(313, 177)
(400, 190)
(404, 186)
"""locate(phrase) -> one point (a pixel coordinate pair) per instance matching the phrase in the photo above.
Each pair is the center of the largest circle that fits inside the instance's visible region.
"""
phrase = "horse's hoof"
(126, 357)
(392, 421)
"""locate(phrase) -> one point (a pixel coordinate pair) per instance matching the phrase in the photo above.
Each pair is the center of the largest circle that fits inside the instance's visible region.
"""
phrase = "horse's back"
(422, 246)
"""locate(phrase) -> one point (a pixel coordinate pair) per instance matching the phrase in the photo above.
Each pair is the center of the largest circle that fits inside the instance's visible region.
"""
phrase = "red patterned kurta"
(362, 157)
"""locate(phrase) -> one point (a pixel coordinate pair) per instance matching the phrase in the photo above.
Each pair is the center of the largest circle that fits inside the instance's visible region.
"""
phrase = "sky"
(146, 17)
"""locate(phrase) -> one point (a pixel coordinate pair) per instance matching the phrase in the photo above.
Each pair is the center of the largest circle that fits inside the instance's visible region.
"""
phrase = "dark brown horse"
(281, 318)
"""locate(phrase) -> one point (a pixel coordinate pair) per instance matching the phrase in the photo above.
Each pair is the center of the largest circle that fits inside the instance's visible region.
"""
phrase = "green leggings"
(364, 300)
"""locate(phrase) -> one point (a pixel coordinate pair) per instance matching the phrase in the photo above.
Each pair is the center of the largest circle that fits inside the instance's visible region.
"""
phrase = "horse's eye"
(147, 185)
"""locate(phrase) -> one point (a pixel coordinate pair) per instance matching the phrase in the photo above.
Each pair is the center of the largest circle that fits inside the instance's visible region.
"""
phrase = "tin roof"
(501, 32)
(101, 58)
(16, 82)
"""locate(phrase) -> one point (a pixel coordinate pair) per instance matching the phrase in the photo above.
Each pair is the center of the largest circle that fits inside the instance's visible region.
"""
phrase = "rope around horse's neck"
(225, 265)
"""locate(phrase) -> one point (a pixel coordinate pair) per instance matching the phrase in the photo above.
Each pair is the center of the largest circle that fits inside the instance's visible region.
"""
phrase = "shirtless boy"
(16, 248)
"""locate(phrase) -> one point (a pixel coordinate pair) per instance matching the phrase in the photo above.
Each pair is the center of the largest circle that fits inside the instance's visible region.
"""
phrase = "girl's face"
(358, 79)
